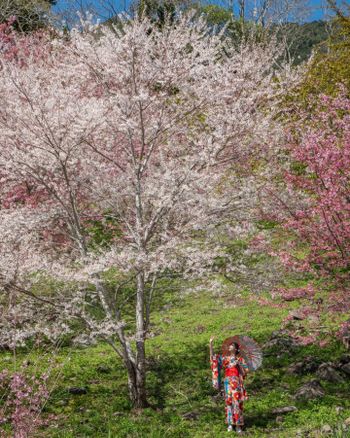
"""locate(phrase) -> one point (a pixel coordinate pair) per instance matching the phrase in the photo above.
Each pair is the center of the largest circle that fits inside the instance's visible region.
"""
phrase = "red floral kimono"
(235, 392)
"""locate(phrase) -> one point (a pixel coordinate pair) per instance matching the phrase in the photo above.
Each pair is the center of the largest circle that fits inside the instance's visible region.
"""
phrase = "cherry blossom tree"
(321, 161)
(308, 196)
(121, 150)
(320, 153)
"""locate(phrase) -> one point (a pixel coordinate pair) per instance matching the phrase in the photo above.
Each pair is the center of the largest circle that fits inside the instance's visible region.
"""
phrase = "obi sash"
(232, 371)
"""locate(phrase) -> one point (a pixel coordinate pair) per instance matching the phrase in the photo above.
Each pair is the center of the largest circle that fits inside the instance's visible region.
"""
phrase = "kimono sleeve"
(244, 366)
(216, 365)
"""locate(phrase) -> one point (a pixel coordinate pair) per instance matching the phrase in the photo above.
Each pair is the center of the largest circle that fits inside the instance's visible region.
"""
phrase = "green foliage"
(330, 68)
(215, 14)
(101, 233)
(264, 224)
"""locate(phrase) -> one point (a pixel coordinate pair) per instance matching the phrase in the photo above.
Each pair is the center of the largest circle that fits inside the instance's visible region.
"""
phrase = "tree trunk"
(241, 9)
(137, 393)
(135, 364)
(140, 365)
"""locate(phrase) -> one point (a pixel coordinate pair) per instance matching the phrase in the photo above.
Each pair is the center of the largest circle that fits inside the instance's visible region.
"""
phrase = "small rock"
(296, 315)
(77, 390)
(326, 429)
(104, 369)
(344, 359)
(327, 371)
(339, 409)
(310, 390)
(190, 416)
(314, 319)
(284, 410)
(346, 368)
(307, 365)
(296, 368)
(280, 341)
(347, 422)
(279, 419)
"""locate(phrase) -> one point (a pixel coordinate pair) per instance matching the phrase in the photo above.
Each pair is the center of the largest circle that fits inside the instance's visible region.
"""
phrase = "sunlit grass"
(179, 380)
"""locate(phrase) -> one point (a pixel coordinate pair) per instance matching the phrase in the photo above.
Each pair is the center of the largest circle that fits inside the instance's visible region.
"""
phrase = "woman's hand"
(241, 370)
(211, 349)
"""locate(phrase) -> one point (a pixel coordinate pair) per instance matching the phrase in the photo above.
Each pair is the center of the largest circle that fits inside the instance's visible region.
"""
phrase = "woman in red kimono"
(235, 369)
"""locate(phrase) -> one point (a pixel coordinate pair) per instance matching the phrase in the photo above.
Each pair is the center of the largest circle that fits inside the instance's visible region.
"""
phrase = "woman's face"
(232, 348)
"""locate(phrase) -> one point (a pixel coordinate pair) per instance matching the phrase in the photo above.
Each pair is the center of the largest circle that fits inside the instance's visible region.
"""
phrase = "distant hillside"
(303, 38)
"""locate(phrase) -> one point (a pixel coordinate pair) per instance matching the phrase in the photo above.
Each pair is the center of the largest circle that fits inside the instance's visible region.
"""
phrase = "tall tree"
(133, 129)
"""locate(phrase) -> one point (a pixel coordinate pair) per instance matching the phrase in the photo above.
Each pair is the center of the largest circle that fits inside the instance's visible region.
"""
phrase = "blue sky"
(316, 7)
(317, 11)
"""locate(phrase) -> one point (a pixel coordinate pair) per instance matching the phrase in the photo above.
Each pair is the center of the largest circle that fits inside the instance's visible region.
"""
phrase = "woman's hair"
(236, 346)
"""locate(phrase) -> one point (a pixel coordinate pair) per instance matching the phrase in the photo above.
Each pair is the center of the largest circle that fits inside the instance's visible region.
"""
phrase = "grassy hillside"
(179, 379)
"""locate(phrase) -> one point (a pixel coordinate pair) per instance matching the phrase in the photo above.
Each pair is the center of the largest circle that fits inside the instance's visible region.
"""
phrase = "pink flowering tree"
(311, 201)
(319, 174)
(120, 152)
(23, 399)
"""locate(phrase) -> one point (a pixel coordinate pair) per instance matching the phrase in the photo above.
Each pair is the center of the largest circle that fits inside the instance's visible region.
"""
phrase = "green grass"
(179, 379)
